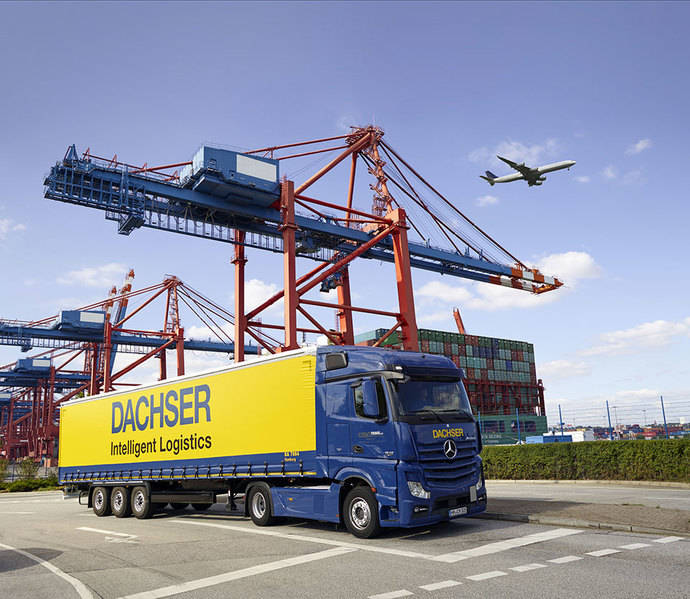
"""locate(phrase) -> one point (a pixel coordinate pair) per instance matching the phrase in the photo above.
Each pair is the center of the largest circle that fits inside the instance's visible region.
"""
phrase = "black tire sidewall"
(125, 511)
(105, 510)
(267, 517)
(374, 527)
(146, 511)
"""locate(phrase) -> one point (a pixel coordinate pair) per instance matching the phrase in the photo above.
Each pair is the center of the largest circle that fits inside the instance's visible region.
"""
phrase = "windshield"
(432, 399)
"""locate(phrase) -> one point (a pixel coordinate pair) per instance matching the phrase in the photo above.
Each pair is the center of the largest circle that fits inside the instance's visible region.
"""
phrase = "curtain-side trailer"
(365, 436)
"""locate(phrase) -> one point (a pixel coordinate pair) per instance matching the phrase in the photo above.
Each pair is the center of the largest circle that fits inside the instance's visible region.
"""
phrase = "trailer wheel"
(119, 502)
(361, 513)
(141, 503)
(101, 501)
(260, 508)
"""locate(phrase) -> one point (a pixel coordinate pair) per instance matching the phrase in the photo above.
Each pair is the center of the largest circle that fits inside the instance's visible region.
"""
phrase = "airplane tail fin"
(489, 177)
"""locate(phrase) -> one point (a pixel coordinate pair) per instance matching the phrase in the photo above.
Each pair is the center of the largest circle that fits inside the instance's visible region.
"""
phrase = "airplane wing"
(521, 168)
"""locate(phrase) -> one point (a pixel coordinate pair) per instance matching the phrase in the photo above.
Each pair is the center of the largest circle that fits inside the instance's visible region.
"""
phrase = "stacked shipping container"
(501, 378)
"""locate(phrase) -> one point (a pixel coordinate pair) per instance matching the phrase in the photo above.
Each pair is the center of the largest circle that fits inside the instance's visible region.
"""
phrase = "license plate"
(458, 511)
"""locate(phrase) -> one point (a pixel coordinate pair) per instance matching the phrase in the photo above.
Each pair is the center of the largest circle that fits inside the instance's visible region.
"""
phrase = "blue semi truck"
(365, 436)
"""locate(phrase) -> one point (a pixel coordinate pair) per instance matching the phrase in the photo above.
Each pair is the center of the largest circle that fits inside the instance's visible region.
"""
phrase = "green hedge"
(33, 484)
(662, 460)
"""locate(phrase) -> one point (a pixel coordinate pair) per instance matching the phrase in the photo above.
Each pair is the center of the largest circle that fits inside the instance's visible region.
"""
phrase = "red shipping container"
(489, 363)
(461, 350)
(424, 345)
(519, 355)
(456, 361)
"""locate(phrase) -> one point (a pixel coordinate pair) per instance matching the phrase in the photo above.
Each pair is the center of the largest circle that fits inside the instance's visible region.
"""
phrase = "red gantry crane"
(241, 199)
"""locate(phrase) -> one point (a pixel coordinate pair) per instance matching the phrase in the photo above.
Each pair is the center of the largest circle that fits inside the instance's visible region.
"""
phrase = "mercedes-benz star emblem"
(449, 449)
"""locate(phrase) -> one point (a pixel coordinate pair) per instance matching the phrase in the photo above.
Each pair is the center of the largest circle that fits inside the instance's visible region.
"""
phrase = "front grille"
(439, 470)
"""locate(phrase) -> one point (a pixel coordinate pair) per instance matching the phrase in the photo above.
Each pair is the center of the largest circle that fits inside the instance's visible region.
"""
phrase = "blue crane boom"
(211, 207)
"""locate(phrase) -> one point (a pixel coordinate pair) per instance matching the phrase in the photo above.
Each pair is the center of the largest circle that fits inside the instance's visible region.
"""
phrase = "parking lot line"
(507, 544)
(668, 539)
(634, 546)
(322, 540)
(201, 583)
(440, 585)
(528, 567)
(487, 575)
(565, 559)
(392, 595)
(602, 552)
(78, 585)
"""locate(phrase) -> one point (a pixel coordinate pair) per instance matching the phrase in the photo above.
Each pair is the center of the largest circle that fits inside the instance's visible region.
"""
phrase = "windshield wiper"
(427, 411)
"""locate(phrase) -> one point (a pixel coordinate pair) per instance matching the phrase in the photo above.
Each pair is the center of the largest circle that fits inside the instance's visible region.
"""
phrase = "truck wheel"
(119, 502)
(361, 513)
(101, 501)
(260, 505)
(141, 503)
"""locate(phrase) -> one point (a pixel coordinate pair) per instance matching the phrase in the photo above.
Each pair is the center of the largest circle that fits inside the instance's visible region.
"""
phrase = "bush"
(33, 484)
(659, 460)
(28, 469)
(4, 464)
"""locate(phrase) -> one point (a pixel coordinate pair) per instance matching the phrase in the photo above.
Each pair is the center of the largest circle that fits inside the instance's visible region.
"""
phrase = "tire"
(119, 502)
(361, 513)
(101, 501)
(178, 506)
(142, 507)
(260, 508)
(200, 507)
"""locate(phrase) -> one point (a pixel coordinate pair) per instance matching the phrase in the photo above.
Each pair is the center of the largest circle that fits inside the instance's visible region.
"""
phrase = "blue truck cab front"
(401, 423)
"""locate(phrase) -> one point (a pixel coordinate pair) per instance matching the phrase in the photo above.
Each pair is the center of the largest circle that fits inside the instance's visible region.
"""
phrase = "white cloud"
(582, 179)
(486, 200)
(641, 337)
(639, 146)
(562, 369)
(532, 155)
(610, 172)
(7, 226)
(103, 276)
(570, 267)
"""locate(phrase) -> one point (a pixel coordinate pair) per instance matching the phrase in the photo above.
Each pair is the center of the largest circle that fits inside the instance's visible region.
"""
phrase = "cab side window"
(359, 401)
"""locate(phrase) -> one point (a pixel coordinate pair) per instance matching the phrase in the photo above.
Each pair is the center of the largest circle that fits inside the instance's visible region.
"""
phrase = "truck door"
(371, 434)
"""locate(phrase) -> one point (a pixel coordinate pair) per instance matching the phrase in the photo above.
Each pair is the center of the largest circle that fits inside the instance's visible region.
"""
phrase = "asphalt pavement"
(52, 547)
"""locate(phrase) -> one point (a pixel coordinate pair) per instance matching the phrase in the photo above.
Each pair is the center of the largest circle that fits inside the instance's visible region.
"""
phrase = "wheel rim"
(360, 513)
(259, 504)
(138, 501)
(98, 500)
(118, 500)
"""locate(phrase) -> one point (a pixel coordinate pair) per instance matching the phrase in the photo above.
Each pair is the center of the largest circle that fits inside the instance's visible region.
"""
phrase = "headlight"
(417, 490)
(480, 483)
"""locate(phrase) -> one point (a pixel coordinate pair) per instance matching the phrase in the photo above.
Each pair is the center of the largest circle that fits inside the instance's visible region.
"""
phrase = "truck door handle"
(358, 449)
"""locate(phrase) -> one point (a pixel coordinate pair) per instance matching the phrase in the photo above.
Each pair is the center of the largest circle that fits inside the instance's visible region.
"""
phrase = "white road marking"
(505, 545)
(322, 540)
(440, 585)
(201, 583)
(17, 513)
(487, 575)
(392, 595)
(111, 536)
(668, 539)
(528, 567)
(602, 552)
(634, 546)
(565, 559)
(78, 585)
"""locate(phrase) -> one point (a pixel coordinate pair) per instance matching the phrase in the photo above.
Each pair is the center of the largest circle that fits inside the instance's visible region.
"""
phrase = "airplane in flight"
(533, 176)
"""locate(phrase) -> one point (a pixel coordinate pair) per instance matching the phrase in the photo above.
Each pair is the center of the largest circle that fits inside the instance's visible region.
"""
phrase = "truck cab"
(400, 430)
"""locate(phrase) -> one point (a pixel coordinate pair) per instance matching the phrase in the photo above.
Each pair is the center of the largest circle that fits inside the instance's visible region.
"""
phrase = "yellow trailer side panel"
(262, 408)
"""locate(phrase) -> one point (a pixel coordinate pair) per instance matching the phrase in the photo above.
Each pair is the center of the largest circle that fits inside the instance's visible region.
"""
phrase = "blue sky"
(452, 84)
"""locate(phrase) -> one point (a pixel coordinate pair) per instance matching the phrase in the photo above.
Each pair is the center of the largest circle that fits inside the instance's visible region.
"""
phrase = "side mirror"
(370, 399)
